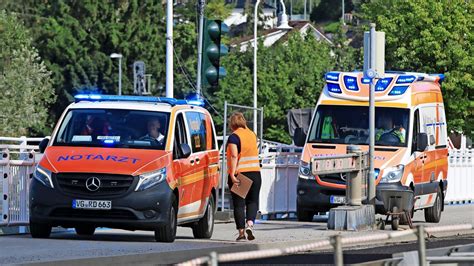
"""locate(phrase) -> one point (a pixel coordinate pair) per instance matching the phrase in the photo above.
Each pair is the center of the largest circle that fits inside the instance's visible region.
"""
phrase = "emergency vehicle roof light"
(332, 76)
(334, 88)
(132, 98)
(405, 79)
(382, 84)
(398, 90)
(351, 83)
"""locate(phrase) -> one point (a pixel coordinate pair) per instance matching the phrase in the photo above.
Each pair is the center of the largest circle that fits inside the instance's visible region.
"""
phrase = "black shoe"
(241, 237)
(249, 231)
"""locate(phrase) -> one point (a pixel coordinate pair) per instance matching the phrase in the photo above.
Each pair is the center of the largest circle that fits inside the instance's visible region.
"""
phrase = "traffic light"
(212, 50)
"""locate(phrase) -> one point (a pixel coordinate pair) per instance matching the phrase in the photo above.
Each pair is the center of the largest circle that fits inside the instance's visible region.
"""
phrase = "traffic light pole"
(371, 181)
(201, 4)
(169, 48)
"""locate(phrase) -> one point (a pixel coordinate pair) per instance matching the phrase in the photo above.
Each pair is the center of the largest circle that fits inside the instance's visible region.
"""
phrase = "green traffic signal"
(213, 50)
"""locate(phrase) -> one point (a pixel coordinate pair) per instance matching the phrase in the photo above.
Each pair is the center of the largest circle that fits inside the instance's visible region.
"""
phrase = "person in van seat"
(242, 157)
(388, 127)
(154, 135)
(95, 126)
(329, 130)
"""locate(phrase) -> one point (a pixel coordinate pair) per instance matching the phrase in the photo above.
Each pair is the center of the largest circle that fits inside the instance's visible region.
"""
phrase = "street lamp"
(119, 56)
(255, 19)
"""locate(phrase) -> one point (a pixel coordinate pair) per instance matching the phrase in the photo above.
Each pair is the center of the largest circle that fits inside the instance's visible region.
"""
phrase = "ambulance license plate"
(338, 199)
(92, 204)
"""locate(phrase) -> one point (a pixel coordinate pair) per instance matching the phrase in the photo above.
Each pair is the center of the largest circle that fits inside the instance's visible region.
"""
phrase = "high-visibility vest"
(248, 156)
(328, 130)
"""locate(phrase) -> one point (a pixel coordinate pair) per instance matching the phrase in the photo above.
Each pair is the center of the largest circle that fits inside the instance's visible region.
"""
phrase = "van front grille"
(93, 214)
(334, 178)
(108, 185)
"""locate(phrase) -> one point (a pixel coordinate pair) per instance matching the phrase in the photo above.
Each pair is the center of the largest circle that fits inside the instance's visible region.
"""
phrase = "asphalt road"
(109, 246)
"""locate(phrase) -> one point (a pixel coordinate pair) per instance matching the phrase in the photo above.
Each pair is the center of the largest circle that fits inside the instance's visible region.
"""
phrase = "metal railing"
(17, 163)
(335, 242)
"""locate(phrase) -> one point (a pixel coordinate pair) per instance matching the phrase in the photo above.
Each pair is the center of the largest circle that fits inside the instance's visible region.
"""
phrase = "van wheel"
(395, 219)
(38, 230)
(303, 215)
(85, 230)
(433, 214)
(205, 226)
(167, 233)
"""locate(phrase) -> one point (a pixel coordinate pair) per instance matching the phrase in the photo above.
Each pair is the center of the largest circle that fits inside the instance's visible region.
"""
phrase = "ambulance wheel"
(304, 216)
(167, 233)
(395, 219)
(85, 230)
(205, 226)
(433, 214)
(38, 230)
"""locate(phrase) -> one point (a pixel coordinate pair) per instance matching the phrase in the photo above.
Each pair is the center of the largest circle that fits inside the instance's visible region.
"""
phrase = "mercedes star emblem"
(93, 183)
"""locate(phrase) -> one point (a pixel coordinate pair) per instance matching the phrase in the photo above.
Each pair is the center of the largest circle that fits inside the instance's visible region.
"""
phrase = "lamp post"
(119, 56)
(255, 44)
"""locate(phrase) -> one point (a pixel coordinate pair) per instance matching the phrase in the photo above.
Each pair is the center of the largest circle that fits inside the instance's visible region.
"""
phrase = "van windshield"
(350, 125)
(113, 128)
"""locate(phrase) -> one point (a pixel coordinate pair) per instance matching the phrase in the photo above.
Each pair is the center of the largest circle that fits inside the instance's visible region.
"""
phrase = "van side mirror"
(43, 144)
(185, 150)
(421, 142)
(299, 137)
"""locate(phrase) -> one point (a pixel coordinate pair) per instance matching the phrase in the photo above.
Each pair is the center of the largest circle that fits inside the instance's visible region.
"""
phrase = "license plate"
(338, 200)
(92, 204)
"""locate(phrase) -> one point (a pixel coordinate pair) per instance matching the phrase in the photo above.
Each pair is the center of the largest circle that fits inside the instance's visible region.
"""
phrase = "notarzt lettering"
(93, 157)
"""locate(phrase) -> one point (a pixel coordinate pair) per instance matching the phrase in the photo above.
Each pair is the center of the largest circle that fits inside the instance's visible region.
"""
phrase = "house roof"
(296, 26)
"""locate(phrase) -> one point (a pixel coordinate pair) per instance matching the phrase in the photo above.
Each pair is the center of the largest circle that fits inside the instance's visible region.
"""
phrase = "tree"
(25, 83)
(330, 10)
(432, 37)
(289, 76)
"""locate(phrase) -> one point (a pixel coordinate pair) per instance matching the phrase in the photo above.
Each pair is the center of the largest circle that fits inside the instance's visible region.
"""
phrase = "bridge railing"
(17, 163)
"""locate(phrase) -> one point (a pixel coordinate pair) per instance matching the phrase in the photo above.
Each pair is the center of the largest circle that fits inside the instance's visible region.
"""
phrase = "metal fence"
(17, 162)
(460, 177)
(335, 242)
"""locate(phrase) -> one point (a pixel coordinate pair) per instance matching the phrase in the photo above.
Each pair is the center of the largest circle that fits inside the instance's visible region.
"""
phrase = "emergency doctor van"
(410, 140)
(129, 162)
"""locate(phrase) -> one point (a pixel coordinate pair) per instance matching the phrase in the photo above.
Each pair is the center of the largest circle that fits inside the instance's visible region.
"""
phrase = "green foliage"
(217, 9)
(433, 37)
(289, 76)
(330, 10)
(332, 27)
(25, 83)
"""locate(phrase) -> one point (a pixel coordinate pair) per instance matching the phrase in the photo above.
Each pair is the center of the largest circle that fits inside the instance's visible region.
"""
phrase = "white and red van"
(108, 164)
(411, 140)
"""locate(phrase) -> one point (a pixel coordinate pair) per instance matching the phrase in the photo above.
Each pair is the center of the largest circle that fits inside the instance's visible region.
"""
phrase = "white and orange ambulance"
(129, 162)
(410, 146)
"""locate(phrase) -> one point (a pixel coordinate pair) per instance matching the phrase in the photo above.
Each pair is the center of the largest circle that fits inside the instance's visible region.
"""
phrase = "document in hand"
(243, 188)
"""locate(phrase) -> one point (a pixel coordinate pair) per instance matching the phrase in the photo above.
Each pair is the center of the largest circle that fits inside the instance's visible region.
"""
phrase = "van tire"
(167, 233)
(38, 230)
(433, 214)
(85, 230)
(205, 226)
(303, 215)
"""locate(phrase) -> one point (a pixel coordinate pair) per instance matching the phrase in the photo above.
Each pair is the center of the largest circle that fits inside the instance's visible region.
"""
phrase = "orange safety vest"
(248, 156)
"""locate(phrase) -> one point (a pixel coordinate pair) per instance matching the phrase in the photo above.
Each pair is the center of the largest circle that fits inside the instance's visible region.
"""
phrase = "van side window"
(179, 136)
(416, 129)
(213, 139)
(197, 131)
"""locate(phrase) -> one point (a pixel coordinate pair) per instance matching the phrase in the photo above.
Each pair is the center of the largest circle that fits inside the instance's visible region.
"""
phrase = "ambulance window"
(197, 131)
(416, 129)
(179, 136)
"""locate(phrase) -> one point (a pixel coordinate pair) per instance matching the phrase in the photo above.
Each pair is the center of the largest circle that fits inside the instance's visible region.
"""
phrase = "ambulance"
(128, 162)
(410, 144)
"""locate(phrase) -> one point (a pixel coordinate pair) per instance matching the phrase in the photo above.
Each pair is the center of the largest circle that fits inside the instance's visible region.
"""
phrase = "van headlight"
(150, 179)
(305, 170)
(43, 175)
(392, 174)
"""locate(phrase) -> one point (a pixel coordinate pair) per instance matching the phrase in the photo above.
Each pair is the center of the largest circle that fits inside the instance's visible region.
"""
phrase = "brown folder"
(243, 188)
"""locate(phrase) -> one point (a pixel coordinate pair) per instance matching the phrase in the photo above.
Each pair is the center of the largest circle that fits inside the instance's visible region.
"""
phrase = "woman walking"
(242, 157)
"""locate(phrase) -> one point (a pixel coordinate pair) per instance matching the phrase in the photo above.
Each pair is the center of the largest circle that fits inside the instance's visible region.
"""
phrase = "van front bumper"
(135, 210)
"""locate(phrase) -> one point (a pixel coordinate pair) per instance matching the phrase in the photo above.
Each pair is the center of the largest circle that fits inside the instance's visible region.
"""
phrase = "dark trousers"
(246, 209)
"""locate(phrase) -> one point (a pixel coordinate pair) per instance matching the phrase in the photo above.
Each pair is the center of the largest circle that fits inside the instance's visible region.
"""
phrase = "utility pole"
(255, 45)
(201, 4)
(304, 10)
(343, 22)
(169, 48)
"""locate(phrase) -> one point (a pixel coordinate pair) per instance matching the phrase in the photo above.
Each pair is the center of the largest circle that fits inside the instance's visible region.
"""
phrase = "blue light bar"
(366, 80)
(405, 79)
(109, 141)
(131, 98)
(332, 76)
(334, 88)
(382, 84)
(441, 77)
(398, 90)
(351, 83)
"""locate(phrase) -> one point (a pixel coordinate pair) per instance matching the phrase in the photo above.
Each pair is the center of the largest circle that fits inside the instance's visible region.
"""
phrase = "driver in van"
(154, 135)
(388, 127)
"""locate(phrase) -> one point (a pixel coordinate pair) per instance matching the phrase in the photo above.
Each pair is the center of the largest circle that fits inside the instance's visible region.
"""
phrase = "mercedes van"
(410, 140)
(128, 162)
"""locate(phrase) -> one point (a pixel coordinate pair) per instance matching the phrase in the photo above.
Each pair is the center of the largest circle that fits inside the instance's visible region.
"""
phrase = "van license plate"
(338, 199)
(92, 204)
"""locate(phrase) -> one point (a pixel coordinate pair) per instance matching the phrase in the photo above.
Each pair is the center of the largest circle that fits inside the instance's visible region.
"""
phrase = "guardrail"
(336, 242)
(460, 177)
